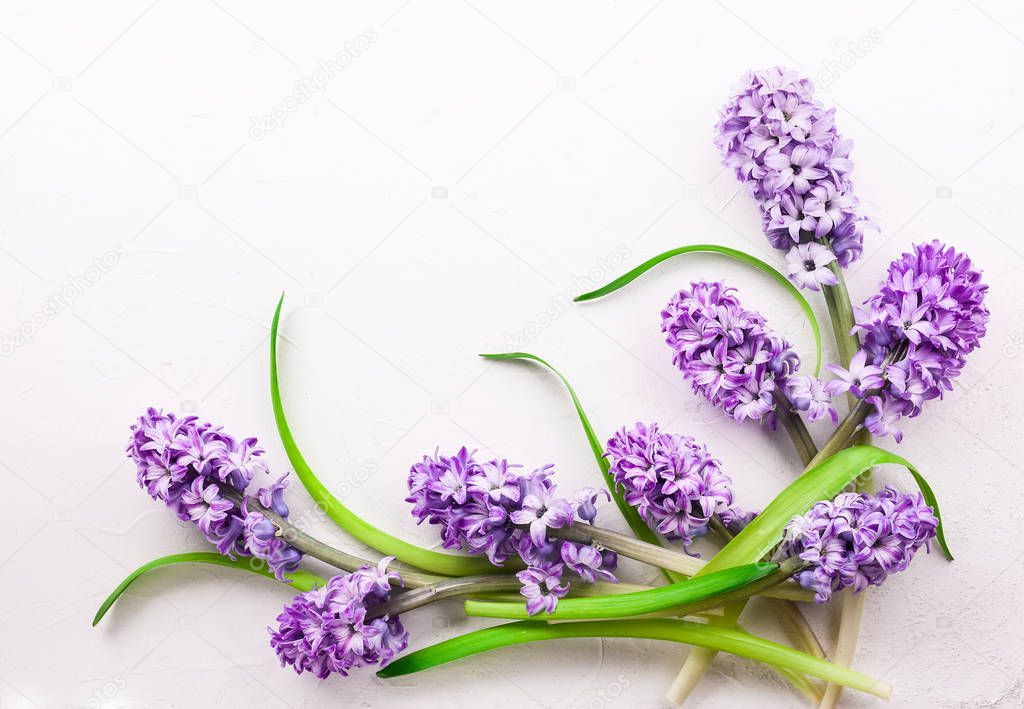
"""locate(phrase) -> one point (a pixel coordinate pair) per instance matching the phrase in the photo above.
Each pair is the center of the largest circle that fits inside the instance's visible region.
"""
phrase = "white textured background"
(442, 195)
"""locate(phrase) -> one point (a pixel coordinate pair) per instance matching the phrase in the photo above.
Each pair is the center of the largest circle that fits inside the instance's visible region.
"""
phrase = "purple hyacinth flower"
(857, 540)
(782, 143)
(727, 352)
(588, 563)
(858, 379)
(916, 332)
(672, 481)
(541, 511)
(542, 587)
(190, 465)
(336, 628)
(812, 396)
(807, 266)
(505, 512)
(273, 496)
(585, 503)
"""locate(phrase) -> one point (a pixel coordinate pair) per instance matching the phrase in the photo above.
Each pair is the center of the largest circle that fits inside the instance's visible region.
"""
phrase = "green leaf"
(300, 580)
(435, 562)
(734, 254)
(680, 631)
(632, 517)
(674, 596)
(822, 482)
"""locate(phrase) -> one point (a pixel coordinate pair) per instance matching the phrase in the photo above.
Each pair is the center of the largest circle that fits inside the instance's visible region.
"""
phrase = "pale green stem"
(317, 549)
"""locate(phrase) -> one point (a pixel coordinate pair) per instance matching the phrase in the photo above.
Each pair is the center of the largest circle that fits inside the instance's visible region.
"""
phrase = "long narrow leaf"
(299, 580)
(435, 562)
(684, 593)
(680, 631)
(629, 513)
(823, 482)
(734, 254)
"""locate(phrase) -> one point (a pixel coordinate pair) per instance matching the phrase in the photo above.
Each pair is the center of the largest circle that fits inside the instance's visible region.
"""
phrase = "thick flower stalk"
(489, 508)
(342, 625)
(782, 143)
(733, 359)
(202, 473)
(672, 481)
(917, 331)
(858, 539)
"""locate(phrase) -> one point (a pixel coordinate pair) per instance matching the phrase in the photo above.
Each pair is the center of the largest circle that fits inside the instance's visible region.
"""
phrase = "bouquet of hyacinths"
(515, 548)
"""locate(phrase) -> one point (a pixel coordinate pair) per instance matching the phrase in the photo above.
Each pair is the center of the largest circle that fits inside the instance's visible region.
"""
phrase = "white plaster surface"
(440, 196)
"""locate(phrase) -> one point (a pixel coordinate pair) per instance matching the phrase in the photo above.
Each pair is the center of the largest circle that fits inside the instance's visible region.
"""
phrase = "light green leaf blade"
(674, 596)
(299, 580)
(721, 639)
(432, 561)
(734, 254)
(822, 482)
(629, 513)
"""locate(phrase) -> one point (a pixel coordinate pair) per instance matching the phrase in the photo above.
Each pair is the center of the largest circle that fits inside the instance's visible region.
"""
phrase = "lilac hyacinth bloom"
(811, 395)
(490, 507)
(187, 464)
(859, 378)
(917, 331)
(337, 627)
(731, 357)
(540, 510)
(542, 587)
(807, 266)
(782, 143)
(857, 539)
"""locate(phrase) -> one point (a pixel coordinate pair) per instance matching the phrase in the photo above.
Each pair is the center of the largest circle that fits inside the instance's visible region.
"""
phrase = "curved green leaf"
(734, 254)
(629, 513)
(680, 631)
(299, 580)
(674, 596)
(822, 482)
(426, 559)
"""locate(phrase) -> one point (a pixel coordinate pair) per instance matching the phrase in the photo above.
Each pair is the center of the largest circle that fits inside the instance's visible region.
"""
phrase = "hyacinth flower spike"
(738, 364)
(494, 509)
(917, 331)
(782, 143)
(203, 474)
(854, 540)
